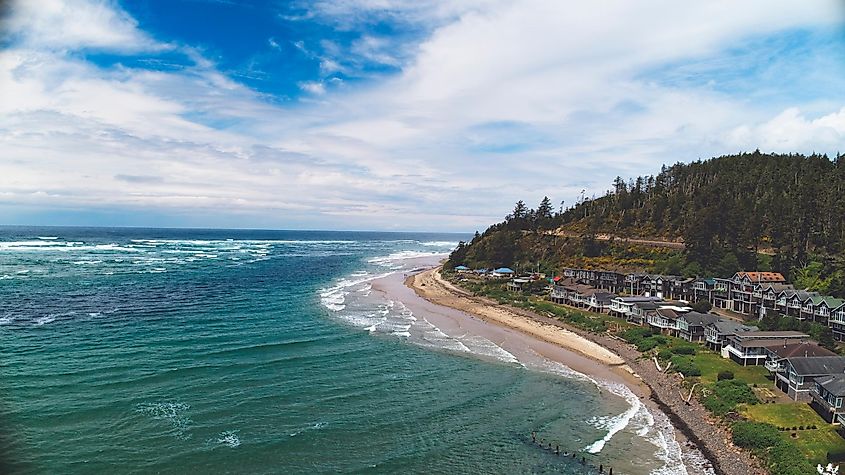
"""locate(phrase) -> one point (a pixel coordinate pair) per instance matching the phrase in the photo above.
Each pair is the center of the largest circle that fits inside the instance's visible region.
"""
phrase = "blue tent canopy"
(503, 270)
(461, 268)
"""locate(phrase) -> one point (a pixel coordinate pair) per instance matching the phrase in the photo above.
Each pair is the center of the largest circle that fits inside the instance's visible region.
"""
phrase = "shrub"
(726, 394)
(685, 366)
(755, 435)
(684, 350)
(664, 354)
(725, 375)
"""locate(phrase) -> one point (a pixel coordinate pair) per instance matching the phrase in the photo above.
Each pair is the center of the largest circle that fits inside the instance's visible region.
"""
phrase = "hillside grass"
(815, 444)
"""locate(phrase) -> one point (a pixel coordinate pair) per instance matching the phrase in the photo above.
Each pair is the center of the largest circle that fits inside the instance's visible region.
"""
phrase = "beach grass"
(815, 444)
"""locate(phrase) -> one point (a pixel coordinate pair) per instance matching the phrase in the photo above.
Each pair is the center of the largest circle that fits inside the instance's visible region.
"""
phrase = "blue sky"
(391, 114)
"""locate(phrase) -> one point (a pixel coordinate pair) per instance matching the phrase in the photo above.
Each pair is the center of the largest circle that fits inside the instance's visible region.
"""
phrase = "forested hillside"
(747, 211)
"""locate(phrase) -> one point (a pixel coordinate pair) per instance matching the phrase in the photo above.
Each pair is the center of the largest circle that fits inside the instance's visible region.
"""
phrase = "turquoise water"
(190, 351)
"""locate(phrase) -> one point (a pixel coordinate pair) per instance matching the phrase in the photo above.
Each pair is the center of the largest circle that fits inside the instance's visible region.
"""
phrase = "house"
(516, 285)
(743, 297)
(503, 272)
(633, 283)
(702, 288)
(641, 311)
(623, 306)
(597, 300)
(664, 320)
(790, 302)
(691, 325)
(800, 374)
(769, 293)
(780, 352)
(720, 296)
(836, 322)
(749, 348)
(819, 308)
(716, 334)
(828, 393)
(681, 288)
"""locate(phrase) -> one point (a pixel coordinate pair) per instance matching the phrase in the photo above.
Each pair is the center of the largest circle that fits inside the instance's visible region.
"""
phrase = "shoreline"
(692, 423)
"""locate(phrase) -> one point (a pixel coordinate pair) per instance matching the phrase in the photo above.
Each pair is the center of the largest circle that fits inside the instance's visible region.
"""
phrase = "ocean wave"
(615, 424)
(449, 244)
(390, 260)
(172, 413)
(44, 320)
(227, 438)
(334, 297)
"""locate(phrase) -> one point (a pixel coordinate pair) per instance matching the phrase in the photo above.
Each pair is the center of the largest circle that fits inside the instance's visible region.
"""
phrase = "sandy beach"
(447, 308)
(598, 356)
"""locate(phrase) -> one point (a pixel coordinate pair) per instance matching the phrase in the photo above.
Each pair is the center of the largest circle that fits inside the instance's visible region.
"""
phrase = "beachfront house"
(716, 334)
(828, 395)
(801, 374)
(745, 297)
(779, 352)
(749, 348)
(623, 307)
(691, 325)
(663, 320)
(597, 300)
(642, 310)
(518, 284)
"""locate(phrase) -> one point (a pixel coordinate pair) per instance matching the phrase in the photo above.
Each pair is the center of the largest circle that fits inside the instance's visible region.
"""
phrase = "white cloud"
(501, 101)
(76, 24)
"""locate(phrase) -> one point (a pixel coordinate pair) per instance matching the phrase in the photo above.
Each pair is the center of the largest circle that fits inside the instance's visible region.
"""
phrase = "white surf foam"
(172, 413)
(617, 423)
(44, 320)
(229, 439)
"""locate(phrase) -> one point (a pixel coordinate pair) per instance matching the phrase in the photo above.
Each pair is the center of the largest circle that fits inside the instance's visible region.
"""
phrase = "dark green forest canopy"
(747, 211)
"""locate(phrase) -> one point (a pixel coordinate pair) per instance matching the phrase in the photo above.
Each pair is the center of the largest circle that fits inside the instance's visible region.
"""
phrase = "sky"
(391, 114)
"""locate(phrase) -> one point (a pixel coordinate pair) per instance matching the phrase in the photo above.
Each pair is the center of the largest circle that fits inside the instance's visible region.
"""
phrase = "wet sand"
(524, 339)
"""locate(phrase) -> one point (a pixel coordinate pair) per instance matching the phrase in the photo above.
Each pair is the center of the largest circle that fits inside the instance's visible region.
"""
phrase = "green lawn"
(815, 444)
(712, 363)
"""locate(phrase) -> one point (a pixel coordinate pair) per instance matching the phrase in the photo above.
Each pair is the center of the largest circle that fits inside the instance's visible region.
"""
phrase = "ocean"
(239, 351)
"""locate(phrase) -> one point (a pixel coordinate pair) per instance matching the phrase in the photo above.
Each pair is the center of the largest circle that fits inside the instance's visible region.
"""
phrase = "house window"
(838, 402)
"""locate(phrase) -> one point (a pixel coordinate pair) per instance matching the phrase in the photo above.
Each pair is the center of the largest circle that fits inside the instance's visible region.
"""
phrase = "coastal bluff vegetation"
(750, 211)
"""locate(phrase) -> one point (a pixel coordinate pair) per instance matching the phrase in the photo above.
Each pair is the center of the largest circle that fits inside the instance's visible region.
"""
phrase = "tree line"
(752, 211)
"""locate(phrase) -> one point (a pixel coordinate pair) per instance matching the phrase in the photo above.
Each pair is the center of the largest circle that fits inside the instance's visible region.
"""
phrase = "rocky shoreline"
(689, 418)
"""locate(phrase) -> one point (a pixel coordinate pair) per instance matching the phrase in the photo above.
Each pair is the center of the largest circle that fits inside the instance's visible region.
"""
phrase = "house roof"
(774, 334)
(808, 366)
(804, 348)
(731, 327)
(647, 305)
(801, 294)
(667, 313)
(834, 384)
(708, 281)
(762, 276)
(638, 299)
(696, 318)
(777, 287)
(827, 300)
(503, 270)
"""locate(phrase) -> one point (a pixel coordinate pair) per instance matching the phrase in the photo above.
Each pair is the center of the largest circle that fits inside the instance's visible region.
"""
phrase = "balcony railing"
(774, 366)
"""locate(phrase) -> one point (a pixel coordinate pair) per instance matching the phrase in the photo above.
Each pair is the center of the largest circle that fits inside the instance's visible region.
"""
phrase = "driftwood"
(657, 364)
(689, 397)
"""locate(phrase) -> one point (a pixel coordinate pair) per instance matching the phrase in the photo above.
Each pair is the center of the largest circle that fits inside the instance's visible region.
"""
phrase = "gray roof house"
(801, 373)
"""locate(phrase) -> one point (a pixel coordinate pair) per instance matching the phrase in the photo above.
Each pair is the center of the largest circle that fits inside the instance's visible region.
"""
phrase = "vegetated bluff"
(749, 211)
